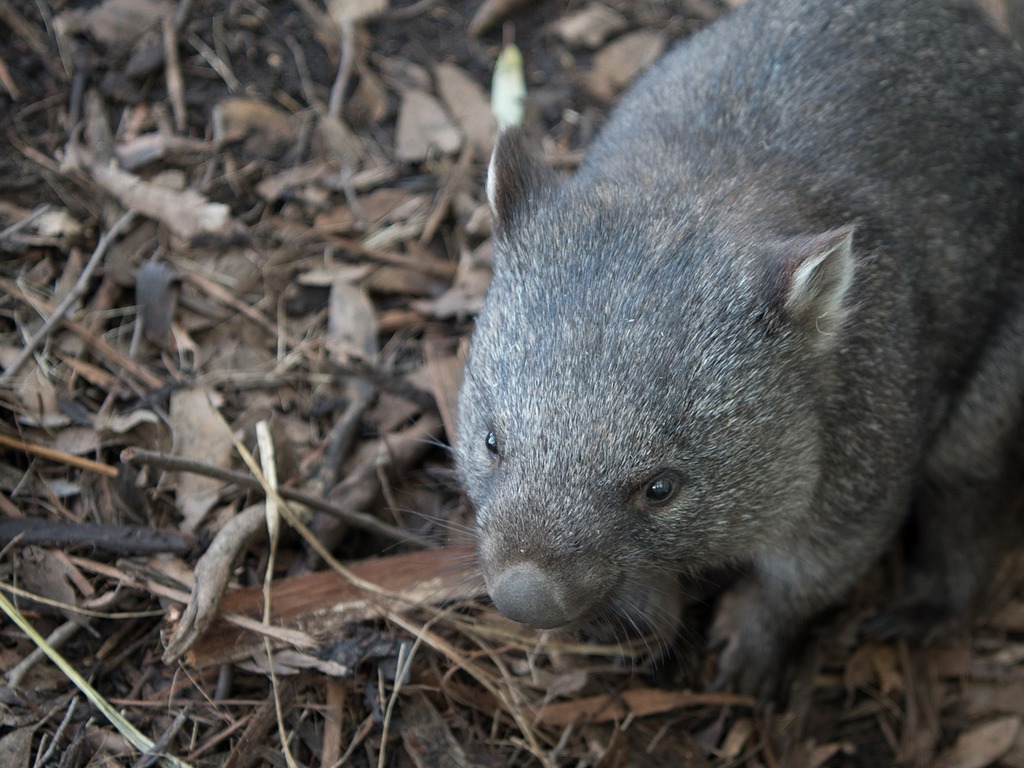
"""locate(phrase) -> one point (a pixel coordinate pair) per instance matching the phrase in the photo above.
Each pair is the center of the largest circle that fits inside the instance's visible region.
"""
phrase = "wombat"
(778, 307)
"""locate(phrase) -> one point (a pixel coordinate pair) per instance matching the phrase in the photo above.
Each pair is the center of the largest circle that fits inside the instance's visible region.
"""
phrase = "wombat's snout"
(527, 594)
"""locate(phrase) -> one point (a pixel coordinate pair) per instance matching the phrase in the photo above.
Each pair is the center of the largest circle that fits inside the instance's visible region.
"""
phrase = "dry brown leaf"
(351, 322)
(887, 668)
(341, 142)
(736, 739)
(811, 755)
(35, 393)
(352, 331)
(123, 423)
(590, 26)
(56, 225)
(466, 296)
(186, 213)
(1009, 618)
(619, 63)
(116, 22)
(77, 440)
(405, 73)
(389, 205)
(640, 702)
(984, 698)
(950, 662)
(349, 11)
(444, 375)
(567, 683)
(292, 662)
(859, 670)
(265, 131)
(272, 188)
(470, 106)
(340, 220)
(328, 276)
(45, 574)
(427, 738)
(368, 104)
(150, 147)
(16, 748)
(491, 12)
(199, 435)
(423, 126)
(1015, 757)
(982, 745)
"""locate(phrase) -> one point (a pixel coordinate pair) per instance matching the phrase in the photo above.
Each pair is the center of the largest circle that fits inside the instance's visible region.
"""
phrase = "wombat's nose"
(526, 593)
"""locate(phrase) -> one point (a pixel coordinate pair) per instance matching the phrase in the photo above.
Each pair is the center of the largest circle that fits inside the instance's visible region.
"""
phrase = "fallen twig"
(60, 457)
(140, 456)
(123, 540)
(73, 295)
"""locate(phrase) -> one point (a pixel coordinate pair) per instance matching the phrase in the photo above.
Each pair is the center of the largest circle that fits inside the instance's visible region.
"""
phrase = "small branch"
(74, 295)
(122, 540)
(140, 456)
(61, 457)
(175, 82)
(347, 44)
(56, 639)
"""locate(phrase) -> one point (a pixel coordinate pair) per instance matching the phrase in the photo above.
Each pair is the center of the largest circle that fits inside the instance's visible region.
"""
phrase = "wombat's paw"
(750, 652)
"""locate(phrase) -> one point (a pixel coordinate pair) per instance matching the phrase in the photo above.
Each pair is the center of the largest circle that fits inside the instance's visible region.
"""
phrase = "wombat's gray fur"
(780, 305)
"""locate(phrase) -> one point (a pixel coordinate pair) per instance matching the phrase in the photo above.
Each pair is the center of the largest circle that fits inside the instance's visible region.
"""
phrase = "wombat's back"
(902, 117)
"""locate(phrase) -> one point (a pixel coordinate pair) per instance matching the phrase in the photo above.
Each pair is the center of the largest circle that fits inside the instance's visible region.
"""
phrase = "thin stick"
(172, 71)
(60, 457)
(132, 735)
(347, 45)
(358, 519)
(55, 639)
(403, 668)
(59, 733)
(20, 225)
(268, 462)
(112, 355)
(74, 295)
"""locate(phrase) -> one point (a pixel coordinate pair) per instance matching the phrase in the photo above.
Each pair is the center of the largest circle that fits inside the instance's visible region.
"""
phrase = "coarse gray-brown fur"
(780, 305)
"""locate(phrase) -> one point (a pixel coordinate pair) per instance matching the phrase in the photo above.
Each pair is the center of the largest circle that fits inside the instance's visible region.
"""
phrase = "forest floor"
(259, 228)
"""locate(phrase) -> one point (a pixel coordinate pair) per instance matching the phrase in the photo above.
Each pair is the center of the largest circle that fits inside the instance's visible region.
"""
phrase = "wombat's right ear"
(515, 179)
(817, 273)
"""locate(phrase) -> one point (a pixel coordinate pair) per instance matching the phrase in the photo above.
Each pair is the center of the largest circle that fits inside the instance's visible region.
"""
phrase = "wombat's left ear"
(515, 179)
(817, 272)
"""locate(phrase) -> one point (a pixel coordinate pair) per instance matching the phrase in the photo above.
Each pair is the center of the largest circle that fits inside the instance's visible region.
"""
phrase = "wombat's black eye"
(661, 489)
(492, 443)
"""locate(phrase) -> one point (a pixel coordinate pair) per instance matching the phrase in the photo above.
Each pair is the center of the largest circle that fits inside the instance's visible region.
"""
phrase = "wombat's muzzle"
(525, 593)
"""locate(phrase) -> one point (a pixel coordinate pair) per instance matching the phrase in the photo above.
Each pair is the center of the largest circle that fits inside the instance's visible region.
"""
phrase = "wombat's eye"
(661, 489)
(491, 441)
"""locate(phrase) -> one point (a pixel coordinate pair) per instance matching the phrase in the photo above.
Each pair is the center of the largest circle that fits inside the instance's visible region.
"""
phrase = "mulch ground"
(241, 247)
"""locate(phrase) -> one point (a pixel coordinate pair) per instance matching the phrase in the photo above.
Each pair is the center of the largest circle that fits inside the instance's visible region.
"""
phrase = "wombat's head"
(637, 396)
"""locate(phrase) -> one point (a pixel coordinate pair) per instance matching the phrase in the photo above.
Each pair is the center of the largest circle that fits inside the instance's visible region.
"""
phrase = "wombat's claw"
(751, 679)
(748, 649)
(742, 668)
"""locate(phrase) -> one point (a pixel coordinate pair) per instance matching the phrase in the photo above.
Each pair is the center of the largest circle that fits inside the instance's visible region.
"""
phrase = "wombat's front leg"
(757, 620)
(753, 630)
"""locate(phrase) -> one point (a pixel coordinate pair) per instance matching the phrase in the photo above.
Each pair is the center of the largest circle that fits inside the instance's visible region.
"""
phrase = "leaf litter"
(306, 246)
